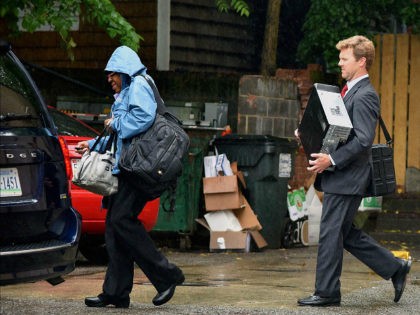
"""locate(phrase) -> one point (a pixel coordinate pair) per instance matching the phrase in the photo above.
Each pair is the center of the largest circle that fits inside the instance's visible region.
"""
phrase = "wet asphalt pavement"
(266, 282)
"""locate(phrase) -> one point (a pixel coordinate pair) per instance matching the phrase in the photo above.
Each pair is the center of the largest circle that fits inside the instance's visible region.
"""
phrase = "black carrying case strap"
(385, 131)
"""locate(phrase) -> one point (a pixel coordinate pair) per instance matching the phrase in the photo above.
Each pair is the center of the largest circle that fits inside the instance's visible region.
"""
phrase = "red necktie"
(344, 90)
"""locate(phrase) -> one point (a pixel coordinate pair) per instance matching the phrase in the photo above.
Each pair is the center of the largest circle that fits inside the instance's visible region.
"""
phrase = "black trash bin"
(267, 164)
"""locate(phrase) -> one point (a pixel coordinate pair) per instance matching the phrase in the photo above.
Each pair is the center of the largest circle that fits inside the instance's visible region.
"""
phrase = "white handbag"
(94, 170)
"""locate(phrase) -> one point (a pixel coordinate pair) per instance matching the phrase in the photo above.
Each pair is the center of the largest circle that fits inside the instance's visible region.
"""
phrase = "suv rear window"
(19, 104)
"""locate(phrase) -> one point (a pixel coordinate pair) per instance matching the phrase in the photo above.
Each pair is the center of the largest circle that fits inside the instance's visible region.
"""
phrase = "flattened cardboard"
(229, 240)
(247, 217)
(234, 166)
(220, 184)
(258, 239)
(224, 220)
(241, 179)
(223, 201)
(222, 193)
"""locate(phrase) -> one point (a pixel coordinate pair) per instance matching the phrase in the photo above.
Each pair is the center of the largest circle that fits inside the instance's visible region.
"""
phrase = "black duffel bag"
(153, 160)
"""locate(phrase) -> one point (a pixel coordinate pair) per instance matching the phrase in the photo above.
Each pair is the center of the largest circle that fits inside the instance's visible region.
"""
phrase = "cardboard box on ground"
(230, 219)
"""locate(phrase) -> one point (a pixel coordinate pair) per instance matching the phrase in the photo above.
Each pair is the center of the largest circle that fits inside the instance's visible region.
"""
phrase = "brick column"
(268, 106)
(274, 106)
(304, 81)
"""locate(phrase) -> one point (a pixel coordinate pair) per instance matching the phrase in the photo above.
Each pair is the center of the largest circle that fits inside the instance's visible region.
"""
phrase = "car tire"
(94, 250)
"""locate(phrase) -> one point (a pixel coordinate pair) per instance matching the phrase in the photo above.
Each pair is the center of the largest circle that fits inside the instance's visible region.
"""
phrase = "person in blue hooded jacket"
(127, 240)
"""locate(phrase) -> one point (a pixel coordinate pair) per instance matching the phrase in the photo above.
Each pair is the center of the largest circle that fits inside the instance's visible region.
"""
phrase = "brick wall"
(274, 106)
(267, 106)
(304, 78)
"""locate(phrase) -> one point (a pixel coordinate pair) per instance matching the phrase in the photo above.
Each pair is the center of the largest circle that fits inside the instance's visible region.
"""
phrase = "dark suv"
(39, 229)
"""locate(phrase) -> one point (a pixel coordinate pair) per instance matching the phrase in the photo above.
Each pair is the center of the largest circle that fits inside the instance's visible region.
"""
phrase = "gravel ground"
(373, 300)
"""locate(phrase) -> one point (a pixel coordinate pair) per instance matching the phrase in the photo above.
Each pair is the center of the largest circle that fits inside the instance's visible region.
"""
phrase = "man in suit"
(345, 186)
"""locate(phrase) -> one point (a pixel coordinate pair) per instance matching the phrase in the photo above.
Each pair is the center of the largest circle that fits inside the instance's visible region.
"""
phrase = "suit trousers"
(127, 241)
(337, 232)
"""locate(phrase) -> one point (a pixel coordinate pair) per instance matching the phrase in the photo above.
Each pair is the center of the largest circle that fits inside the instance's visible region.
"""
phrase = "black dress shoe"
(165, 296)
(399, 279)
(101, 301)
(315, 300)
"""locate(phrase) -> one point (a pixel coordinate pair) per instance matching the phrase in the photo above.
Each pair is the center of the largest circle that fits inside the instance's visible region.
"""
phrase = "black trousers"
(127, 241)
(337, 232)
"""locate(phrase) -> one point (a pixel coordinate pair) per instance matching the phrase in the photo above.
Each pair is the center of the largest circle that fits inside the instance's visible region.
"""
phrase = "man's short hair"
(362, 47)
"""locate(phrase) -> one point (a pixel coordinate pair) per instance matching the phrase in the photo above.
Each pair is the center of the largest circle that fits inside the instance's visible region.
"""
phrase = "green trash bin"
(181, 219)
(267, 164)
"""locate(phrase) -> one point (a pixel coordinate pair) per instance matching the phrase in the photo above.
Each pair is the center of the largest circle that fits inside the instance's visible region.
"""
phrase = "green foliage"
(329, 21)
(60, 15)
(106, 16)
(411, 16)
(239, 6)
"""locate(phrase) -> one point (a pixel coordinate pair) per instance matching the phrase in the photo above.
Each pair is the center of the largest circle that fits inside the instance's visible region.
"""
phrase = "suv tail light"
(66, 154)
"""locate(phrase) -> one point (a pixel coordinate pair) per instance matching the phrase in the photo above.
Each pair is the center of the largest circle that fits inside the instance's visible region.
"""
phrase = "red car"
(89, 205)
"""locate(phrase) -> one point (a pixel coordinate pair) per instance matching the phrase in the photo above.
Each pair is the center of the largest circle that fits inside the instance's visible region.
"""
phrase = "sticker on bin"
(10, 183)
(285, 165)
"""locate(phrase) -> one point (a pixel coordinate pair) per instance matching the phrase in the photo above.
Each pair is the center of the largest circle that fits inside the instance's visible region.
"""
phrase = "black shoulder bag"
(152, 161)
(382, 166)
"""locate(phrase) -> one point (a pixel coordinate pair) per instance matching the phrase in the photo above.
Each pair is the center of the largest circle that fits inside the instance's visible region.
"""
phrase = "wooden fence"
(396, 76)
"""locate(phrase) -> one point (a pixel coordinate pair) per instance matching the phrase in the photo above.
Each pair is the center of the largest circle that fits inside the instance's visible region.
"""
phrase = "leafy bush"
(329, 21)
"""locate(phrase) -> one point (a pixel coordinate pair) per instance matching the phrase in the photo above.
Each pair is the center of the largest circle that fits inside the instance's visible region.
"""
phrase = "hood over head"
(125, 60)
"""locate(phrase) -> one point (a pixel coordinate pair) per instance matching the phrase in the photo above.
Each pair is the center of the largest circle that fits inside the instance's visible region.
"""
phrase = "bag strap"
(385, 131)
(171, 197)
(98, 139)
(110, 145)
(161, 108)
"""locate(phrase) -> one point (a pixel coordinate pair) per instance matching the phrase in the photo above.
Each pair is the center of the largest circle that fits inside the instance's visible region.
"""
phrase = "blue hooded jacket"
(134, 108)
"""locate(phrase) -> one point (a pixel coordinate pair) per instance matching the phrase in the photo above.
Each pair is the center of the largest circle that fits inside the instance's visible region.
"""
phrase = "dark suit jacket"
(352, 171)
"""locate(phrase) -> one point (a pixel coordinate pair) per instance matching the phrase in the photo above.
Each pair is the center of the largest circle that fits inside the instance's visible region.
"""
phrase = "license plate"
(10, 183)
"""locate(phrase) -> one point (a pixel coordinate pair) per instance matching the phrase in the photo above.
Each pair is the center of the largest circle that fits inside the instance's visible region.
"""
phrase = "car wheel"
(94, 250)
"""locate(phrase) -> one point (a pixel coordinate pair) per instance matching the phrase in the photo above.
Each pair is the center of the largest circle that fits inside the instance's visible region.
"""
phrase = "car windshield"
(69, 126)
(19, 104)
